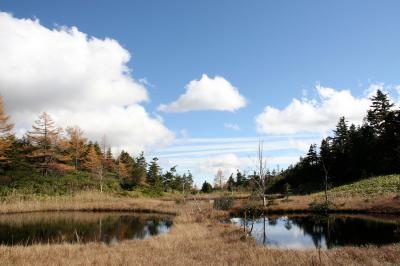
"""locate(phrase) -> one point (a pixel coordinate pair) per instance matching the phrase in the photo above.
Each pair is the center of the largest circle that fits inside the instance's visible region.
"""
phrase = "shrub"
(321, 206)
(223, 203)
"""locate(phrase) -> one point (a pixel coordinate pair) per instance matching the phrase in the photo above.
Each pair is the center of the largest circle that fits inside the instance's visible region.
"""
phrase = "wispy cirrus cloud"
(232, 126)
(204, 156)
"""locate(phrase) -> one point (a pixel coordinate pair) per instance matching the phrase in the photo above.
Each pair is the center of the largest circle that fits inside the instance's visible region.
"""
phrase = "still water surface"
(73, 227)
(311, 231)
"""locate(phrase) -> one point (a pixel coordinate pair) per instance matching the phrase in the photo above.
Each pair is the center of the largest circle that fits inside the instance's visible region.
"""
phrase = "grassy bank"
(85, 201)
(379, 194)
(198, 237)
(375, 186)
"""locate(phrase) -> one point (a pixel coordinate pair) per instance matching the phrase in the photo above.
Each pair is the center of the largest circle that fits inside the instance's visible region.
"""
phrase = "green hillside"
(378, 185)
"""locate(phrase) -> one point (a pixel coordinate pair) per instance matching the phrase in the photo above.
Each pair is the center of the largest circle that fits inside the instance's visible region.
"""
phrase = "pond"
(314, 231)
(79, 227)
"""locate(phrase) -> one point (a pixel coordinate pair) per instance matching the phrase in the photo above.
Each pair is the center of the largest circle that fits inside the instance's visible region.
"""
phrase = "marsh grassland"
(199, 236)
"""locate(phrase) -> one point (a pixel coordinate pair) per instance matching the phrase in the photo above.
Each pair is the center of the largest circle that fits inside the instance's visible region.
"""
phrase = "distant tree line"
(239, 182)
(49, 151)
(353, 152)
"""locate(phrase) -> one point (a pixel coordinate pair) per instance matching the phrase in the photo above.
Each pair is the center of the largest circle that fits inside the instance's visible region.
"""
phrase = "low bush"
(223, 203)
(321, 206)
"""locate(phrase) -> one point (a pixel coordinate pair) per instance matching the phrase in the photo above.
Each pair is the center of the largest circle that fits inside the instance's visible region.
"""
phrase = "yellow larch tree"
(43, 137)
(94, 164)
(62, 158)
(77, 145)
(6, 134)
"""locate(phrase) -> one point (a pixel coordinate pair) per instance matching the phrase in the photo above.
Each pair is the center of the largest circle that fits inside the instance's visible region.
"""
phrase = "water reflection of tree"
(248, 222)
(272, 220)
(153, 226)
(342, 231)
(288, 224)
(330, 230)
(104, 229)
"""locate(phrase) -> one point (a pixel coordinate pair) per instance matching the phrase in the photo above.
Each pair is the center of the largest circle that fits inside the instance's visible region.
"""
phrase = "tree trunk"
(326, 190)
(101, 181)
(264, 201)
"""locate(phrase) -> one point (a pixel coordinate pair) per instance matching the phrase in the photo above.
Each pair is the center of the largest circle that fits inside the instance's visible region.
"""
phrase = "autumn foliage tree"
(77, 145)
(61, 157)
(43, 139)
(125, 166)
(48, 150)
(122, 170)
(94, 165)
(108, 160)
(6, 135)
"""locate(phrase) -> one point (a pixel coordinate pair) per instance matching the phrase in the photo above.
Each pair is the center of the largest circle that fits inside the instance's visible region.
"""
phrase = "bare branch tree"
(262, 178)
(219, 179)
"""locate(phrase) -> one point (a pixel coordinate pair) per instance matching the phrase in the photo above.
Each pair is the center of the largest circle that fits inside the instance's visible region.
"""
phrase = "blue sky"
(269, 51)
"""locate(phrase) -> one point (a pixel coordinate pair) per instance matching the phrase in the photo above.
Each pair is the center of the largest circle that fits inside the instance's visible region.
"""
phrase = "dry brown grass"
(197, 238)
(377, 204)
(86, 201)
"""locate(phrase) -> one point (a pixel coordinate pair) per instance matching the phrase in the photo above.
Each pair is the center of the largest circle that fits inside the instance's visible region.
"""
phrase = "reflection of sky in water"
(281, 234)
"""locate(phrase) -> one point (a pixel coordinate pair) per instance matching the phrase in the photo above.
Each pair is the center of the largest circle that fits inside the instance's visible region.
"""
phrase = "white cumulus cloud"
(228, 163)
(207, 94)
(313, 115)
(78, 79)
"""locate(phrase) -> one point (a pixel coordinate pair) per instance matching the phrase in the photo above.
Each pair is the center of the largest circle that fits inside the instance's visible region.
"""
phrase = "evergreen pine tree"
(230, 183)
(188, 181)
(380, 109)
(154, 174)
(168, 178)
(206, 187)
(139, 172)
(340, 136)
